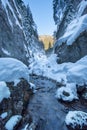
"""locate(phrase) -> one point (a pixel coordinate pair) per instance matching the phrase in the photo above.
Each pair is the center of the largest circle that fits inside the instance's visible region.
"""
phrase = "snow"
(78, 72)
(69, 74)
(75, 118)
(68, 93)
(48, 67)
(12, 122)
(4, 91)
(12, 69)
(6, 52)
(4, 115)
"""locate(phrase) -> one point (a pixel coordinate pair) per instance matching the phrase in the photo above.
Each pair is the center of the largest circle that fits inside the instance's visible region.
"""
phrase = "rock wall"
(17, 30)
(71, 11)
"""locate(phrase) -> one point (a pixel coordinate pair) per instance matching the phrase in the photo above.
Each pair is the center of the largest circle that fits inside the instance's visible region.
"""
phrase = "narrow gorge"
(43, 87)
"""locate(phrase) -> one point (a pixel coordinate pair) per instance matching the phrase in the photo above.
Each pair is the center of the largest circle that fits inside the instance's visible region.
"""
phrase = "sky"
(43, 15)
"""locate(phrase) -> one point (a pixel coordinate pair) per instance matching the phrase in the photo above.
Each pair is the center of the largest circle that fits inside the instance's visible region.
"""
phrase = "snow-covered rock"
(12, 69)
(4, 91)
(76, 120)
(68, 93)
(13, 121)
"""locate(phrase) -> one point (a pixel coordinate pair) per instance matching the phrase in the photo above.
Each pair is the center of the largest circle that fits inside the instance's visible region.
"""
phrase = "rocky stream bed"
(46, 111)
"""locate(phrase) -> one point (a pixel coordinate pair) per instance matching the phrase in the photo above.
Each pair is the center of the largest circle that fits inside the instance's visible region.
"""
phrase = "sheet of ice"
(12, 69)
(4, 115)
(75, 118)
(12, 122)
(4, 91)
(68, 93)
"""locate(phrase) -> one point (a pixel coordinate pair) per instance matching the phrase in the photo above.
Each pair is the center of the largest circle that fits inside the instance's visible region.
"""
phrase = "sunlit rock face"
(70, 17)
(18, 32)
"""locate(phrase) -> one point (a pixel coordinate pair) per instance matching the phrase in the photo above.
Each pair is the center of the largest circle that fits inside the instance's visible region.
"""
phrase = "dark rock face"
(70, 11)
(18, 101)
